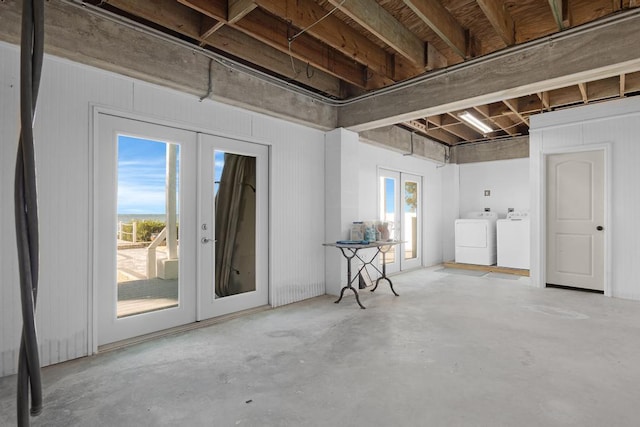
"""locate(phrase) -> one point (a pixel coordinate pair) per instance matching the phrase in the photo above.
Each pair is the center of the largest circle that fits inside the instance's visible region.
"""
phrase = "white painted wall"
(507, 180)
(63, 144)
(615, 125)
(450, 209)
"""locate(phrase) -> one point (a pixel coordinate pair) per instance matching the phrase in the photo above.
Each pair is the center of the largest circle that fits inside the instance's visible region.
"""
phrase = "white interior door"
(233, 226)
(400, 206)
(575, 219)
(145, 239)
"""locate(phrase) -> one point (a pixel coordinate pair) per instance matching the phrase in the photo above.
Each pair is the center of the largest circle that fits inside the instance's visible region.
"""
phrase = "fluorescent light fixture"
(475, 122)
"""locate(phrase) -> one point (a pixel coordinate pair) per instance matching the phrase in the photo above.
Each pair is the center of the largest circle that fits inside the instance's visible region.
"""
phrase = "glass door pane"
(411, 221)
(148, 221)
(389, 212)
(235, 223)
(144, 259)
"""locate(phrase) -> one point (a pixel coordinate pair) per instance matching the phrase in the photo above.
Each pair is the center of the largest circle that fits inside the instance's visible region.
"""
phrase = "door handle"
(599, 228)
(204, 240)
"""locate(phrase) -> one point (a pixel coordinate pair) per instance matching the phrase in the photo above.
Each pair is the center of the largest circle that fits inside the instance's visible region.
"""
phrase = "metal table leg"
(349, 279)
(384, 274)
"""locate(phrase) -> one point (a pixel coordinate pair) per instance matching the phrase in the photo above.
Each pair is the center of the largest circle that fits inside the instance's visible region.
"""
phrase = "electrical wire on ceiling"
(304, 30)
(26, 210)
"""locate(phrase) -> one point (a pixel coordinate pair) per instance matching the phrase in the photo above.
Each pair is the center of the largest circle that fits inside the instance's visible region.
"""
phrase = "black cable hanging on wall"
(26, 209)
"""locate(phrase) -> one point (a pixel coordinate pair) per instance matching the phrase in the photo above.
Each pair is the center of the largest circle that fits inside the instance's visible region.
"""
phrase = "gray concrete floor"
(452, 350)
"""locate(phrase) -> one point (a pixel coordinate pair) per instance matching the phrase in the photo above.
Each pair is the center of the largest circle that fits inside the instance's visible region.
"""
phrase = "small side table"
(350, 251)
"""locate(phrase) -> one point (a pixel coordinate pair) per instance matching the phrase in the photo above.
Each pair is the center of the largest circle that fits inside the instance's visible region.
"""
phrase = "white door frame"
(542, 217)
(92, 279)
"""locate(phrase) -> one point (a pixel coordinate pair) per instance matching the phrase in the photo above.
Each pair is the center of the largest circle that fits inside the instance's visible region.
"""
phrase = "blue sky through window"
(141, 175)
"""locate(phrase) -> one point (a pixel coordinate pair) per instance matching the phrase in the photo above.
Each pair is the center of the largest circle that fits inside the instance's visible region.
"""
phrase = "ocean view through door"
(177, 238)
(144, 213)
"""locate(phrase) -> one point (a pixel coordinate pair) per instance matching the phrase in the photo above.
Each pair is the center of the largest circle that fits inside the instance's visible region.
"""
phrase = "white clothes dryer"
(475, 237)
(513, 240)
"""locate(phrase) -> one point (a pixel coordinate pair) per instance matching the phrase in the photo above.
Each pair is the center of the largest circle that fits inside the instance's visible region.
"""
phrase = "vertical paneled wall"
(62, 160)
(506, 180)
(297, 209)
(64, 144)
(9, 298)
(617, 124)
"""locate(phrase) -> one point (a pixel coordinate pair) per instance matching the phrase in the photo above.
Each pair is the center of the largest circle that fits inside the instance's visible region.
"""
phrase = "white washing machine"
(476, 238)
(513, 240)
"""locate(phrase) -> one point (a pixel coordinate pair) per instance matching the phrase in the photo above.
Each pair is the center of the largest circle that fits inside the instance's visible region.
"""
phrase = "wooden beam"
(503, 123)
(604, 88)
(375, 19)
(513, 106)
(228, 40)
(216, 9)
(165, 13)
(583, 92)
(569, 95)
(544, 98)
(437, 134)
(337, 34)
(274, 32)
(237, 9)
(237, 43)
(464, 131)
(208, 26)
(500, 19)
(432, 13)
(601, 51)
(78, 34)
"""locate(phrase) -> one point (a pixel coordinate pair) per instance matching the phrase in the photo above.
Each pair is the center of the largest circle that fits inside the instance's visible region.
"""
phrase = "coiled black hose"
(26, 209)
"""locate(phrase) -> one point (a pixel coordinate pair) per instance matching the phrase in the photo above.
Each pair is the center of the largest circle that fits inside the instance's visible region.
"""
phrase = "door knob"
(205, 240)
(599, 228)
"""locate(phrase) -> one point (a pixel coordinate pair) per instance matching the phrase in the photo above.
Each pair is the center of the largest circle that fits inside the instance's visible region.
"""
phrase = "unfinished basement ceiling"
(345, 48)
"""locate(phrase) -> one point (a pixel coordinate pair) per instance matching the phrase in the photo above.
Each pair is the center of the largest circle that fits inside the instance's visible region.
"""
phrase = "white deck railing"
(152, 267)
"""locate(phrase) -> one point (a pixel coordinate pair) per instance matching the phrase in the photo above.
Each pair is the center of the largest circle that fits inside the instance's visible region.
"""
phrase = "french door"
(400, 206)
(233, 226)
(155, 216)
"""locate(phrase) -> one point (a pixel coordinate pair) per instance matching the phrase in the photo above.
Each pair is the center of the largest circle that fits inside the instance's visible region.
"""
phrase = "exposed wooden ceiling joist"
(238, 9)
(443, 23)
(500, 18)
(599, 52)
(375, 19)
(306, 14)
(351, 47)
